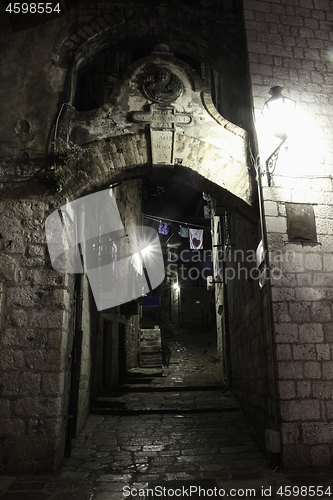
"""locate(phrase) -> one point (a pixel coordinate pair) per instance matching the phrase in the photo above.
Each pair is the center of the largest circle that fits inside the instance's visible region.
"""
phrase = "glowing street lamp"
(279, 115)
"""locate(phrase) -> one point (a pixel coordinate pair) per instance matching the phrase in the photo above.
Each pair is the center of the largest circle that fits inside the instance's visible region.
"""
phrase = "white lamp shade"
(279, 114)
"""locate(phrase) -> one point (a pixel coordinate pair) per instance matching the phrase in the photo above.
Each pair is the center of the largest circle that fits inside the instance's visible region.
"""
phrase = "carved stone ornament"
(162, 86)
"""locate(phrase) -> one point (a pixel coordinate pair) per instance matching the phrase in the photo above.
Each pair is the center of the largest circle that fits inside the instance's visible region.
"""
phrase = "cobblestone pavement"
(189, 436)
(190, 382)
(193, 360)
(113, 453)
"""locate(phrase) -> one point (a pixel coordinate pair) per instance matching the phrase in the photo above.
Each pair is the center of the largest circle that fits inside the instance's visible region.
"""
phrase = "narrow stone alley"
(181, 430)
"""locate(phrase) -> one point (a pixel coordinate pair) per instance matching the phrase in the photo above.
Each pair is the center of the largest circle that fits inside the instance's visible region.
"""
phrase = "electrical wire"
(155, 218)
(57, 123)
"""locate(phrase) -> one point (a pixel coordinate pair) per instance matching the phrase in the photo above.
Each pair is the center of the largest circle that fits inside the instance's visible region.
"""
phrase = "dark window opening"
(301, 224)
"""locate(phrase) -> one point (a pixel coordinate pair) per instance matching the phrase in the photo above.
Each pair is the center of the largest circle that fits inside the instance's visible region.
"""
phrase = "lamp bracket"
(272, 160)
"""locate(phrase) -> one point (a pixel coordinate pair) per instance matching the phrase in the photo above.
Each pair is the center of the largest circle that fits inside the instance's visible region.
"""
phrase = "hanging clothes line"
(157, 219)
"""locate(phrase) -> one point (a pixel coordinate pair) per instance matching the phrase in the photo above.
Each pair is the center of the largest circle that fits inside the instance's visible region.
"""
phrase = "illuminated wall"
(289, 45)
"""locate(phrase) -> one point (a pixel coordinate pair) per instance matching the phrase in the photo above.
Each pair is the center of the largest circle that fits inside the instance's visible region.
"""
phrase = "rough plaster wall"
(129, 202)
(30, 84)
(132, 342)
(249, 338)
(35, 316)
(128, 197)
(290, 44)
(90, 320)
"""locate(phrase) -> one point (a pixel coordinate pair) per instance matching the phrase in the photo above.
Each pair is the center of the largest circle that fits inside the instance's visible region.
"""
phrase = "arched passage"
(213, 157)
(122, 140)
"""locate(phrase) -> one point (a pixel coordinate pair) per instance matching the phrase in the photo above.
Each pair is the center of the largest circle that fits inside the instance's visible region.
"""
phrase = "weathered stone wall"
(31, 91)
(290, 44)
(128, 197)
(37, 328)
(129, 202)
(34, 342)
(90, 324)
(250, 343)
(35, 315)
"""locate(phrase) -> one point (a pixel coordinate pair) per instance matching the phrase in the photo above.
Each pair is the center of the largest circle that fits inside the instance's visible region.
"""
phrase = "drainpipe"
(76, 353)
(226, 306)
(75, 366)
(269, 295)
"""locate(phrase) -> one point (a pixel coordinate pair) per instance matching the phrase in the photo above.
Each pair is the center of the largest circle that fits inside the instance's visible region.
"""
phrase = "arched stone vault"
(213, 35)
(198, 30)
(135, 133)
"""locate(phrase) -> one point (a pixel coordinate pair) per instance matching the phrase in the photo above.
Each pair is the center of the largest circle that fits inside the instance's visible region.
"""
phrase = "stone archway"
(203, 146)
(161, 118)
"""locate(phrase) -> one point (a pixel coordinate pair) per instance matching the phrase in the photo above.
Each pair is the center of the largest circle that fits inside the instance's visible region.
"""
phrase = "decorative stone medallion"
(163, 86)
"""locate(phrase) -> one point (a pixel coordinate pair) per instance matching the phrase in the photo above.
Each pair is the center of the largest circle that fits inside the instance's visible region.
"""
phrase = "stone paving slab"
(114, 452)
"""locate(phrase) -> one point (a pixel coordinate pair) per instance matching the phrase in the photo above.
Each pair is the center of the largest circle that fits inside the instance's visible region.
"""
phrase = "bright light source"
(279, 117)
(175, 286)
(279, 113)
(147, 251)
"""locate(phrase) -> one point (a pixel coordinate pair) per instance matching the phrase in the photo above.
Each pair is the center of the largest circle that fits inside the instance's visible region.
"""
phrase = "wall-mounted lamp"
(279, 113)
(176, 287)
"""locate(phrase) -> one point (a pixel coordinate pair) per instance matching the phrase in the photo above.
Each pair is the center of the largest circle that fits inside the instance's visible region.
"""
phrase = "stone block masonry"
(251, 364)
(37, 328)
(34, 330)
(290, 44)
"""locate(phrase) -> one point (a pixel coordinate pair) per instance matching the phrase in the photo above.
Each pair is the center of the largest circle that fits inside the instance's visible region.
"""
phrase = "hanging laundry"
(163, 228)
(196, 239)
(183, 232)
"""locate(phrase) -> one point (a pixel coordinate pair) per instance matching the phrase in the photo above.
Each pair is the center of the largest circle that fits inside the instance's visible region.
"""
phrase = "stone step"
(151, 352)
(151, 338)
(165, 402)
(151, 349)
(150, 356)
(151, 345)
(143, 372)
